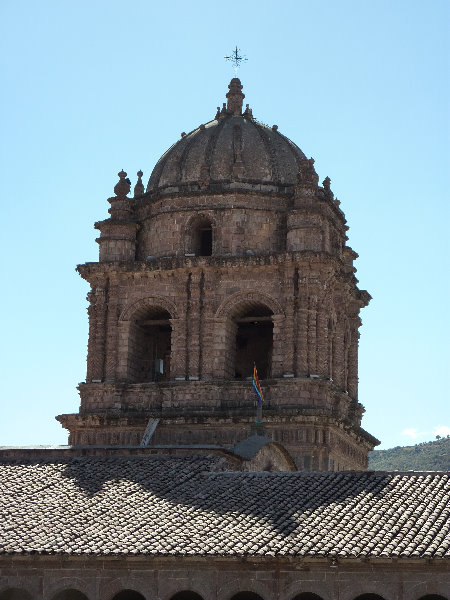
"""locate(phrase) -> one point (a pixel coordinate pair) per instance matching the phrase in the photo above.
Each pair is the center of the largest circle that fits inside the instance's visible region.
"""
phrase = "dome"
(232, 150)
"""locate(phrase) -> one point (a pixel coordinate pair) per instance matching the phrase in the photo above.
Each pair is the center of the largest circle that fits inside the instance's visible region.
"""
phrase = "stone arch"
(14, 593)
(140, 307)
(307, 596)
(145, 348)
(427, 590)
(70, 594)
(186, 595)
(251, 325)
(368, 590)
(128, 594)
(188, 589)
(199, 235)
(299, 591)
(235, 590)
(246, 596)
(231, 306)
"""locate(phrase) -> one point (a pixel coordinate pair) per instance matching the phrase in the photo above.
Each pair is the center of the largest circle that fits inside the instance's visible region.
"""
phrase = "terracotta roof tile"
(186, 505)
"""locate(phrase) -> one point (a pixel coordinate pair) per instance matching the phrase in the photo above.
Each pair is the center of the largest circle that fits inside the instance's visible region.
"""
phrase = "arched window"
(254, 342)
(246, 596)
(186, 595)
(150, 346)
(200, 237)
(70, 595)
(307, 596)
(128, 595)
(15, 594)
(432, 597)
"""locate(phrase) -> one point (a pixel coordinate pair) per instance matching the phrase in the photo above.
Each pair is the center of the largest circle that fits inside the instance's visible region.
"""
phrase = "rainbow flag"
(257, 387)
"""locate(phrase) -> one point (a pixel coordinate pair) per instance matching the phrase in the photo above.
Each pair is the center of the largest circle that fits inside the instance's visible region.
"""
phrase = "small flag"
(257, 387)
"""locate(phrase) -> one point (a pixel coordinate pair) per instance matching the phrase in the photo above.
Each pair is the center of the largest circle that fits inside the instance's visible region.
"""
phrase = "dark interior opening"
(246, 596)
(14, 594)
(128, 595)
(254, 342)
(205, 241)
(186, 595)
(70, 595)
(153, 347)
(200, 240)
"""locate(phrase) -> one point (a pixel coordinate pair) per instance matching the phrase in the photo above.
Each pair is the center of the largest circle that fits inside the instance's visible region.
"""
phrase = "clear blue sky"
(89, 88)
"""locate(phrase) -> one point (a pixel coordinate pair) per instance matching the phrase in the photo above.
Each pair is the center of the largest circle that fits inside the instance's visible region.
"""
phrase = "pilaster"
(97, 331)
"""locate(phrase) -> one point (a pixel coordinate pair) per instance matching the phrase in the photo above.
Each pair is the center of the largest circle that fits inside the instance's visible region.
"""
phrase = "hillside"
(428, 456)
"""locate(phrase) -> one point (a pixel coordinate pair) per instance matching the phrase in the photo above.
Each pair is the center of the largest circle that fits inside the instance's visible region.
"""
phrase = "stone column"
(288, 332)
(312, 335)
(226, 348)
(208, 342)
(322, 341)
(111, 333)
(278, 345)
(302, 335)
(123, 351)
(194, 310)
(177, 349)
(339, 353)
(97, 332)
(353, 359)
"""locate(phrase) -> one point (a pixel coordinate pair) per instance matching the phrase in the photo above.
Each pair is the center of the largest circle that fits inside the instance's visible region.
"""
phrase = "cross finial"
(236, 59)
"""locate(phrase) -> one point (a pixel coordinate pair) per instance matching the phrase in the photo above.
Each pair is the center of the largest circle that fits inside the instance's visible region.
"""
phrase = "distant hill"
(428, 456)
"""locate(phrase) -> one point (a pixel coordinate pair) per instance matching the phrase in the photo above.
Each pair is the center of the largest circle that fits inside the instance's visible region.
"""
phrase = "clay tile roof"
(170, 505)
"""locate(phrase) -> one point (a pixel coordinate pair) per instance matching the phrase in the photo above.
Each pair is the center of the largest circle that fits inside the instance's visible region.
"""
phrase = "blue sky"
(92, 87)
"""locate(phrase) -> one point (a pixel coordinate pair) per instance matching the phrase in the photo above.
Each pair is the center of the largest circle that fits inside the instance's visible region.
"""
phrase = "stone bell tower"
(233, 254)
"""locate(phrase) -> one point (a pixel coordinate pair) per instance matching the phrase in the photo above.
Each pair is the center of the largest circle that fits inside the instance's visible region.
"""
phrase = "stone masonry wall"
(102, 578)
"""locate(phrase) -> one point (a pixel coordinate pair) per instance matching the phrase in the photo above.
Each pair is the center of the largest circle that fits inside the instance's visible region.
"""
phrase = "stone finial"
(248, 112)
(217, 114)
(307, 174)
(235, 97)
(139, 187)
(327, 187)
(223, 112)
(123, 186)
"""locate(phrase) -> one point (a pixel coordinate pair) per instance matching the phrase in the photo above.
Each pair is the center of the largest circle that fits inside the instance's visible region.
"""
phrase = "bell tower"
(232, 255)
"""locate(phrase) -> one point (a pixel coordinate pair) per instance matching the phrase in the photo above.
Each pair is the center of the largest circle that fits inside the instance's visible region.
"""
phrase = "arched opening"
(307, 596)
(150, 346)
(432, 597)
(128, 595)
(70, 595)
(201, 237)
(186, 595)
(15, 594)
(246, 596)
(254, 342)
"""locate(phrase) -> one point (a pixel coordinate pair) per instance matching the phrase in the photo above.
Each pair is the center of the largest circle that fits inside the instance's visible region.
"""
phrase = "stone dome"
(233, 150)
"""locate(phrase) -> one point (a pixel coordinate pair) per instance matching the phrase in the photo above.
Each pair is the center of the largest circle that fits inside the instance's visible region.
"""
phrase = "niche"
(200, 239)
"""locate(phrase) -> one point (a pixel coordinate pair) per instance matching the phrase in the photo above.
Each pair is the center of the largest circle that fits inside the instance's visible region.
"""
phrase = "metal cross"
(236, 59)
